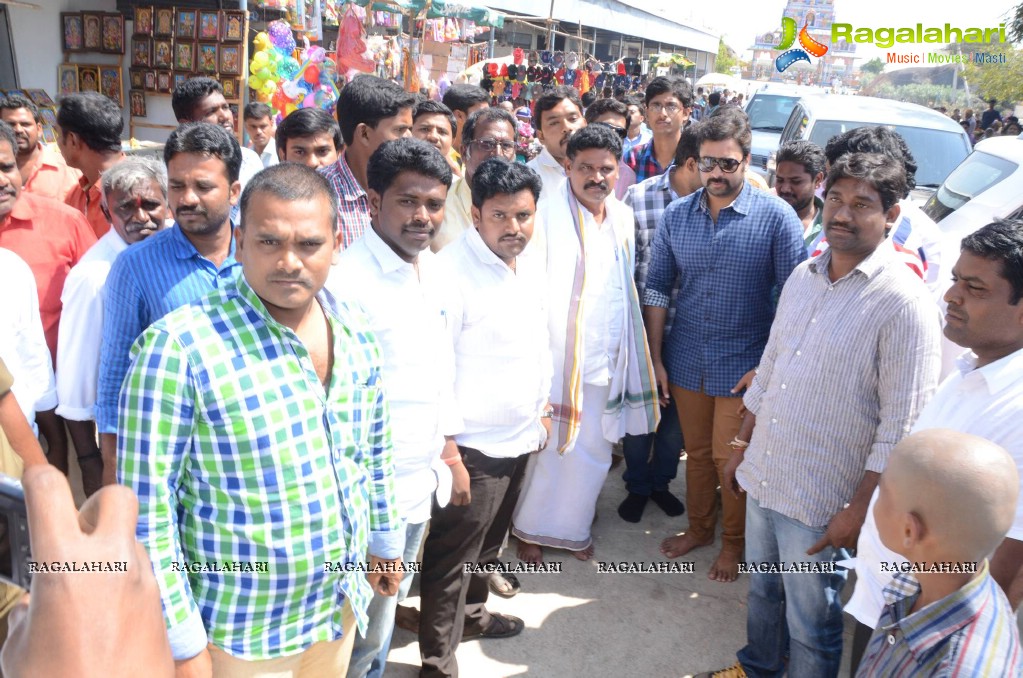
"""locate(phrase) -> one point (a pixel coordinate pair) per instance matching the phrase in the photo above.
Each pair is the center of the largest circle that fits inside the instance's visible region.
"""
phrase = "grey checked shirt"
(648, 200)
(847, 369)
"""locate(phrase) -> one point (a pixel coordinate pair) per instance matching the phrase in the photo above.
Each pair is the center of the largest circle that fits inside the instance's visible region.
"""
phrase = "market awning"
(439, 9)
(671, 59)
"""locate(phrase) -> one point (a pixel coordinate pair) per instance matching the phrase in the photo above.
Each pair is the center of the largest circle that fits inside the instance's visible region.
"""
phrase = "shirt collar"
(663, 182)
(23, 210)
(999, 375)
(350, 188)
(113, 240)
(550, 161)
(878, 260)
(483, 253)
(251, 299)
(952, 612)
(184, 249)
(386, 259)
(741, 204)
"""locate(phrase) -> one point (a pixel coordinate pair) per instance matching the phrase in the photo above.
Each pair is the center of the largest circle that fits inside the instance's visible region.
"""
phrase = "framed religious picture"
(137, 101)
(141, 52)
(67, 79)
(163, 82)
(39, 97)
(113, 33)
(209, 25)
(88, 78)
(92, 31)
(110, 83)
(206, 58)
(163, 53)
(149, 81)
(143, 23)
(179, 79)
(49, 135)
(230, 59)
(232, 26)
(230, 86)
(137, 78)
(73, 29)
(163, 22)
(184, 26)
(49, 116)
(184, 55)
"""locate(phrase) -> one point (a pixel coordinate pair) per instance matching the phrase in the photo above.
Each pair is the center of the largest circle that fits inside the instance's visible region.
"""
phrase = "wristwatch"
(548, 412)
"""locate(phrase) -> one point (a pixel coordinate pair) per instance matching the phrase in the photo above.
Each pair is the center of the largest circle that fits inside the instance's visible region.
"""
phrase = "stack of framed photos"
(92, 32)
(170, 45)
(47, 109)
(102, 78)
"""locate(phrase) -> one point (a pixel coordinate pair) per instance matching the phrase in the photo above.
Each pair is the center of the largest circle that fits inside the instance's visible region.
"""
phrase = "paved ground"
(584, 623)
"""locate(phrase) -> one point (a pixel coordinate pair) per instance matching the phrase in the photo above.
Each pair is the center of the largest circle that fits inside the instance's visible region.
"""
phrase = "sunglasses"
(727, 165)
(620, 131)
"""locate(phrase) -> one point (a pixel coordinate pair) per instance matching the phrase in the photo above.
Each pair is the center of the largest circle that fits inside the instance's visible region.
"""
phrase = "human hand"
(53, 632)
(728, 473)
(842, 532)
(661, 378)
(199, 666)
(460, 495)
(744, 383)
(546, 423)
(384, 575)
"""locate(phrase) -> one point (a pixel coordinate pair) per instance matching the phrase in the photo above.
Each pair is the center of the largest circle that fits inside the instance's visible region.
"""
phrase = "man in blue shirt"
(732, 247)
(173, 267)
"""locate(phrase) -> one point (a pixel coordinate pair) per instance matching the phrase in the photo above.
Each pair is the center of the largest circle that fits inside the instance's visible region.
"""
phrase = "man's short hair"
(132, 172)
(207, 139)
(431, 107)
(191, 92)
(688, 144)
(367, 100)
(484, 116)
(13, 102)
(305, 122)
(551, 99)
(497, 176)
(594, 136)
(805, 153)
(724, 127)
(588, 98)
(887, 178)
(638, 101)
(7, 134)
(874, 140)
(603, 106)
(407, 154)
(714, 99)
(678, 87)
(257, 110)
(290, 182)
(1001, 240)
(96, 120)
(463, 97)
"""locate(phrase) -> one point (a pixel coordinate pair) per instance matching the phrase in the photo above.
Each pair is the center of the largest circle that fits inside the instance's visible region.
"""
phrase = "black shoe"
(668, 502)
(631, 510)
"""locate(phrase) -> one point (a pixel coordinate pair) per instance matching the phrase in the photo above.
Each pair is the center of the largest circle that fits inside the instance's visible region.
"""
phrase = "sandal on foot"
(504, 584)
(501, 626)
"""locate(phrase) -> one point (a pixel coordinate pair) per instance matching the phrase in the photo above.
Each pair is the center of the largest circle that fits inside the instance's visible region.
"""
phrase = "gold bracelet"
(737, 444)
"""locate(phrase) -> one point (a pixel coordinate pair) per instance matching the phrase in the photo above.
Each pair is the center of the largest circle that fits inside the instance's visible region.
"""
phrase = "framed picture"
(142, 52)
(40, 97)
(137, 78)
(49, 116)
(230, 86)
(73, 29)
(163, 53)
(49, 135)
(230, 59)
(184, 27)
(184, 55)
(232, 26)
(143, 24)
(163, 22)
(179, 79)
(113, 33)
(163, 82)
(110, 83)
(67, 79)
(209, 25)
(92, 33)
(88, 78)
(206, 58)
(149, 81)
(137, 101)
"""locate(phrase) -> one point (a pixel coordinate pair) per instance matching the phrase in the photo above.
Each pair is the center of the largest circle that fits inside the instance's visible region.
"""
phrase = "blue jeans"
(369, 655)
(646, 473)
(798, 615)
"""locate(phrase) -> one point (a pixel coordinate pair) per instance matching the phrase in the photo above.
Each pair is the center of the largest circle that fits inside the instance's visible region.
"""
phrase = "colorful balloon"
(281, 36)
(312, 74)
(288, 68)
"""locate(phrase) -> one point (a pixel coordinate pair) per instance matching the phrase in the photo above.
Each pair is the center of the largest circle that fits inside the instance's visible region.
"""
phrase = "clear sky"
(740, 20)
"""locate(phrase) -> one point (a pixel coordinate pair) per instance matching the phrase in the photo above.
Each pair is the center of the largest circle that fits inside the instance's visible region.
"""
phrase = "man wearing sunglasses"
(615, 115)
(731, 248)
(669, 101)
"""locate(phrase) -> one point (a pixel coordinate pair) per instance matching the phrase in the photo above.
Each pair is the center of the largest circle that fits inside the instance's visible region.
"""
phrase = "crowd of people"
(989, 124)
(386, 343)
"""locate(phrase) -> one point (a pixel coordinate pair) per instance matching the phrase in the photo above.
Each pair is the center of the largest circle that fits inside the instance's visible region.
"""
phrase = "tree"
(874, 66)
(1015, 20)
(726, 58)
(1002, 81)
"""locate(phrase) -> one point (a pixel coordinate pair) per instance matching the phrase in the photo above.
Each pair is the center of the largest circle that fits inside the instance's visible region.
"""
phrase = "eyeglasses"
(491, 146)
(727, 165)
(670, 109)
(620, 131)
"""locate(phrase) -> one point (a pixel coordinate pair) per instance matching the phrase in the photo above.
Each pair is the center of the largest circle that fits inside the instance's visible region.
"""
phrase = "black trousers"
(861, 638)
(452, 599)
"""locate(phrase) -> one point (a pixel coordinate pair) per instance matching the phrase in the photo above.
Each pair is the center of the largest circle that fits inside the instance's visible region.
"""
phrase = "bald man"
(945, 502)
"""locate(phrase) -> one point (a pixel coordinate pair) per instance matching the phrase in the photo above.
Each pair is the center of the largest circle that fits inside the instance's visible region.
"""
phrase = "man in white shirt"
(259, 125)
(134, 200)
(556, 115)
(502, 384)
(983, 397)
(405, 291)
(602, 388)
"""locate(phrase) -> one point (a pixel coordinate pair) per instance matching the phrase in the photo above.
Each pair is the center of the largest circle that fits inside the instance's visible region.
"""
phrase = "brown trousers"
(709, 423)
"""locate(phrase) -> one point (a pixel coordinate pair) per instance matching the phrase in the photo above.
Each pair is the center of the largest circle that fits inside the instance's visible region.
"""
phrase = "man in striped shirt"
(946, 501)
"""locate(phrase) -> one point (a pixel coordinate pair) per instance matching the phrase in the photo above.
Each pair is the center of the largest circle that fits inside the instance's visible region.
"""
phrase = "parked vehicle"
(768, 110)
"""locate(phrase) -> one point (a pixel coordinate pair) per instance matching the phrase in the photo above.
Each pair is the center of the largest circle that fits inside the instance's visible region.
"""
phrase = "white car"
(768, 111)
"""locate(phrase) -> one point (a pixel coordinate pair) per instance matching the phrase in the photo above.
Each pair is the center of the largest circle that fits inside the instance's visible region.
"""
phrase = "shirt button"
(774, 421)
(769, 453)
(813, 320)
(799, 353)
(783, 387)
(891, 638)
(763, 483)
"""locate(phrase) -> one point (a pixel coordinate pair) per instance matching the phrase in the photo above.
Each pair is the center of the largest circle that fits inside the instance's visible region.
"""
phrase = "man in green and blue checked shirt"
(254, 430)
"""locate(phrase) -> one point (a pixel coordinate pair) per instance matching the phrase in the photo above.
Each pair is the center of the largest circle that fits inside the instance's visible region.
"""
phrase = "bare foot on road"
(674, 547)
(725, 569)
(585, 554)
(530, 553)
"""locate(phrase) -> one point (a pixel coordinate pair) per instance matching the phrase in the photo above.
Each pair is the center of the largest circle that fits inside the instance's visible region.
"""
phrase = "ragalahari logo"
(788, 38)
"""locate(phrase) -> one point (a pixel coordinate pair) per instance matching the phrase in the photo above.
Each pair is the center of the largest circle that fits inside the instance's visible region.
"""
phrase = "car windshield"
(936, 152)
(769, 112)
(975, 175)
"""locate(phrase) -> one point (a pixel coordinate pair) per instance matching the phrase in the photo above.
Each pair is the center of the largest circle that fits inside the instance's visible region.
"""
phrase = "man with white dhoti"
(603, 384)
